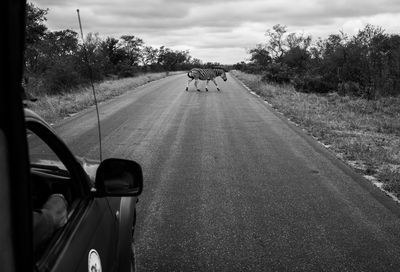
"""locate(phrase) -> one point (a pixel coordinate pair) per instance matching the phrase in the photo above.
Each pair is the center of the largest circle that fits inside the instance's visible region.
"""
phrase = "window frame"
(80, 183)
(78, 175)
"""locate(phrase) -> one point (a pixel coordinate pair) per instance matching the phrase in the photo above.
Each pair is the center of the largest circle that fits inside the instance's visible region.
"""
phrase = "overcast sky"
(219, 31)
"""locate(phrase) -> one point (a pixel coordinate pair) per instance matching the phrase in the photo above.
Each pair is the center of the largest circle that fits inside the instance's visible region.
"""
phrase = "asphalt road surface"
(231, 186)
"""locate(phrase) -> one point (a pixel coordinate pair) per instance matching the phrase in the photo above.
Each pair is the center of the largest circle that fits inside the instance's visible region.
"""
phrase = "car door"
(90, 234)
(88, 243)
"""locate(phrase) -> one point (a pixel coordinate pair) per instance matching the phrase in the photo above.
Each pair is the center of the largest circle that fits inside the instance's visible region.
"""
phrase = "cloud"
(219, 30)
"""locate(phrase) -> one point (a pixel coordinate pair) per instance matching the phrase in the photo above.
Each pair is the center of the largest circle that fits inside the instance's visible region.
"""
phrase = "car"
(35, 165)
(101, 203)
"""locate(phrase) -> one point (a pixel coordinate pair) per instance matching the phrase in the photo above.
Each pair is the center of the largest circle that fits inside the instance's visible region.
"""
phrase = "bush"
(277, 73)
(350, 88)
(61, 78)
(124, 69)
(312, 84)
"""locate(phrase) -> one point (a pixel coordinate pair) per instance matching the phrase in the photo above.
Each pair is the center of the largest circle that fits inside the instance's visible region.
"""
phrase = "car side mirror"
(118, 177)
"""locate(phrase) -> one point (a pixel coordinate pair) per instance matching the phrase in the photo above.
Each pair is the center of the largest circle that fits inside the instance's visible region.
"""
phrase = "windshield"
(268, 131)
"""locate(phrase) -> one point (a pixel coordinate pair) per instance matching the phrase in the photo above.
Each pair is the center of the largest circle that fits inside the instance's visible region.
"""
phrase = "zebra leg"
(195, 84)
(207, 85)
(187, 87)
(216, 84)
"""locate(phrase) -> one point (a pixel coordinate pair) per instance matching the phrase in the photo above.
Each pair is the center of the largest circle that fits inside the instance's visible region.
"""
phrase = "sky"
(219, 31)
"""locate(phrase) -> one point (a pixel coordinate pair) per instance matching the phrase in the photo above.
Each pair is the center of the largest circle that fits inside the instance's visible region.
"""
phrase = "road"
(231, 186)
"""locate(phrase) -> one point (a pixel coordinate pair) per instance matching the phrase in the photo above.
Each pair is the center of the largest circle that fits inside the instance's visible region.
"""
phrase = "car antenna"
(91, 81)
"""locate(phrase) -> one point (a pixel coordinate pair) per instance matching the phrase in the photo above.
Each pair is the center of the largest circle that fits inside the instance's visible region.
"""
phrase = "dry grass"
(55, 107)
(365, 133)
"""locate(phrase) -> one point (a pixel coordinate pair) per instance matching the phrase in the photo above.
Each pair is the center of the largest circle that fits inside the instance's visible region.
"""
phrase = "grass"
(364, 133)
(56, 107)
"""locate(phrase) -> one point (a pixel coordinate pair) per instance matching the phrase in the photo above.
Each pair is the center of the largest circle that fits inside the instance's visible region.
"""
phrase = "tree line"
(55, 61)
(366, 64)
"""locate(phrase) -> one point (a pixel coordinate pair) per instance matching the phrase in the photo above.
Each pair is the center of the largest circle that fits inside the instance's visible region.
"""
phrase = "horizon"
(219, 31)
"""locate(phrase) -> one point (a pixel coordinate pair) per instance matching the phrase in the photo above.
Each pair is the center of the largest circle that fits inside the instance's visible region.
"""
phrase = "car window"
(52, 193)
(41, 156)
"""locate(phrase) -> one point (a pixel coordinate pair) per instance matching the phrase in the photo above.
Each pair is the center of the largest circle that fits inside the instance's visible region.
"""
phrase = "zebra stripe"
(205, 74)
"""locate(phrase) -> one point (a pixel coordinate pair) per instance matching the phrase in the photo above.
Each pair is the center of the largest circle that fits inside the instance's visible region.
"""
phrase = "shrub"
(277, 73)
(61, 78)
(312, 84)
(349, 88)
(124, 69)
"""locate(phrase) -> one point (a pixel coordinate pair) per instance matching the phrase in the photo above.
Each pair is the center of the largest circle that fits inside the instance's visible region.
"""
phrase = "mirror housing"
(118, 177)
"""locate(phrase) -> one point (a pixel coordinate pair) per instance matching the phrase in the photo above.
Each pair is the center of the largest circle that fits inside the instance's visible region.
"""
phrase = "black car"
(35, 164)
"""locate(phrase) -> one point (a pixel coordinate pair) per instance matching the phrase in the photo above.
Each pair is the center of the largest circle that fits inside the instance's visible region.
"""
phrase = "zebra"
(205, 74)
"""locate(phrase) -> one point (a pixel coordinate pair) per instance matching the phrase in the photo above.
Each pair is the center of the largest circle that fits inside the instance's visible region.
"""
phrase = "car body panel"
(103, 224)
(95, 229)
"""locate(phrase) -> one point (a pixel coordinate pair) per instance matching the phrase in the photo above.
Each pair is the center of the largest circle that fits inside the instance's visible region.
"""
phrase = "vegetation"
(344, 90)
(365, 65)
(365, 133)
(55, 107)
(55, 60)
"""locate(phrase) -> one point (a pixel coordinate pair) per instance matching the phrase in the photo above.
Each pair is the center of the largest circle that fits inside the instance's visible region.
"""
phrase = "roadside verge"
(353, 129)
(54, 108)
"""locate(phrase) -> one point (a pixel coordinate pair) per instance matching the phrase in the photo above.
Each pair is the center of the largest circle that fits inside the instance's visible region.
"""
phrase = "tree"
(275, 41)
(149, 55)
(380, 53)
(297, 59)
(294, 40)
(112, 52)
(334, 55)
(35, 27)
(260, 56)
(57, 58)
(366, 64)
(54, 47)
(170, 59)
(132, 47)
(60, 43)
(195, 62)
(35, 32)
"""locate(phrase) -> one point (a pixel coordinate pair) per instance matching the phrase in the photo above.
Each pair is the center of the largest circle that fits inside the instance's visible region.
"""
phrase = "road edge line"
(348, 169)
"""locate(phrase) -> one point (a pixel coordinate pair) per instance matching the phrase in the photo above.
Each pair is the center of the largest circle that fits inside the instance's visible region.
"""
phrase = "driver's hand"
(56, 206)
